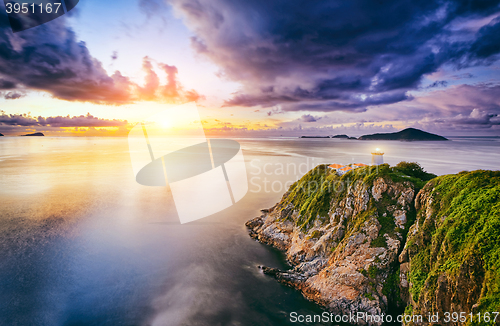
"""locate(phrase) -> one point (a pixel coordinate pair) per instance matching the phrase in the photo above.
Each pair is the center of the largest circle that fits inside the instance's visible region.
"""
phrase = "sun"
(165, 123)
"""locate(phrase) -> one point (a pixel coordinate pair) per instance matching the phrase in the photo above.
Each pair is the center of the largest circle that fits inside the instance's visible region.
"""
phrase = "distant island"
(34, 134)
(408, 134)
(343, 137)
(336, 136)
(1, 135)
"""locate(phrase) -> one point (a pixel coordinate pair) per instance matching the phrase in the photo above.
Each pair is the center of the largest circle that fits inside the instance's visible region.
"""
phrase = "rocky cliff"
(342, 235)
(451, 260)
(345, 238)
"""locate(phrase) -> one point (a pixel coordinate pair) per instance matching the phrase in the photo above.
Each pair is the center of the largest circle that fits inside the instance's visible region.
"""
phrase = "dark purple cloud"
(49, 58)
(7, 84)
(337, 55)
(308, 118)
(59, 121)
(487, 44)
(273, 111)
(13, 95)
(466, 75)
(438, 83)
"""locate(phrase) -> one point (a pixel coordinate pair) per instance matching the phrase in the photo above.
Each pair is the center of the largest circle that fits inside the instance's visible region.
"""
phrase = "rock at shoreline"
(34, 134)
(1, 135)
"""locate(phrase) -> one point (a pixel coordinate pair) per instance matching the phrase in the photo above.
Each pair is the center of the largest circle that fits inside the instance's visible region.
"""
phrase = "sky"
(257, 68)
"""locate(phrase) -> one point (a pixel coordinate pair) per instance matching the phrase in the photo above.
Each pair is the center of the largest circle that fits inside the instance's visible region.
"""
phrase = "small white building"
(377, 157)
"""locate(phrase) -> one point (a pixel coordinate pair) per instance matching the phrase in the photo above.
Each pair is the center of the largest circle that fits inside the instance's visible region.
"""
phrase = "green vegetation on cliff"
(458, 240)
(321, 188)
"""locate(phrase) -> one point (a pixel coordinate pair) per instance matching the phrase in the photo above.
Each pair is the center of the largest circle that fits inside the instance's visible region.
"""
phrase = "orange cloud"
(170, 92)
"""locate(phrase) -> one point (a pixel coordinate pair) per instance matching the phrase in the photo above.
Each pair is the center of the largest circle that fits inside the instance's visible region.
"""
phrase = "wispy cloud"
(88, 120)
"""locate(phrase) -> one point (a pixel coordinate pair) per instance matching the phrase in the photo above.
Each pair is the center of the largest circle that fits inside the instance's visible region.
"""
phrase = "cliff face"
(451, 261)
(342, 236)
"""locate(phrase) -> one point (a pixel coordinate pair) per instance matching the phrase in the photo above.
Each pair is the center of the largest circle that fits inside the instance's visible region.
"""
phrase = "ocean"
(81, 243)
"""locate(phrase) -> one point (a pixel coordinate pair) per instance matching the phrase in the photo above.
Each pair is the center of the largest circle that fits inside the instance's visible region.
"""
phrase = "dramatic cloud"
(339, 55)
(88, 120)
(49, 58)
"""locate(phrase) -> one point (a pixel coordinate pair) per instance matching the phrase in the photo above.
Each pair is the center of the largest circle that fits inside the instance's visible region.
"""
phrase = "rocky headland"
(387, 239)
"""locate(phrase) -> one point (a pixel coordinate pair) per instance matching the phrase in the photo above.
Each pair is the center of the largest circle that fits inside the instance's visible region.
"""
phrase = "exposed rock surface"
(344, 243)
(341, 258)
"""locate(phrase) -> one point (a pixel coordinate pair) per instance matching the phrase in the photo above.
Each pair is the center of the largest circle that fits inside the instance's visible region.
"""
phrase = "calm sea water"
(81, 243)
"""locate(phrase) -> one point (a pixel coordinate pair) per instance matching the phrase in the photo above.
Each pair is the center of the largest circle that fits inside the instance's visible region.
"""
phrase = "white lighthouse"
(377, 157)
